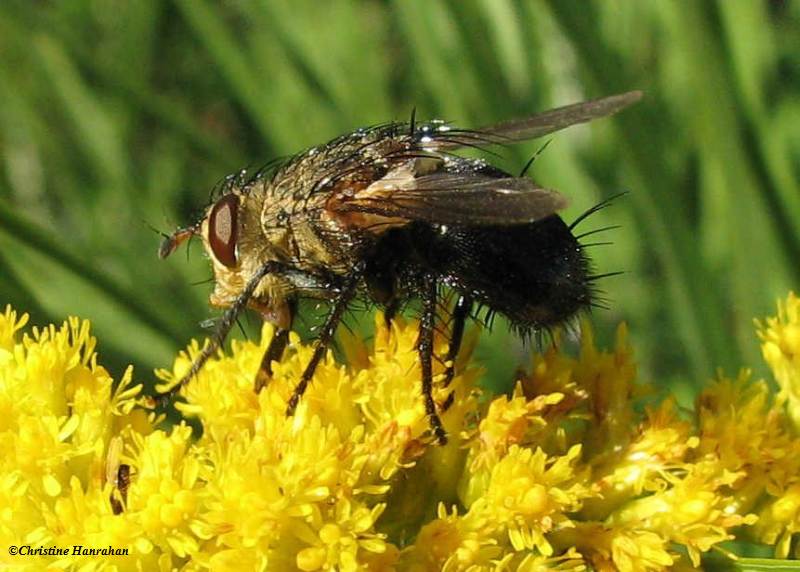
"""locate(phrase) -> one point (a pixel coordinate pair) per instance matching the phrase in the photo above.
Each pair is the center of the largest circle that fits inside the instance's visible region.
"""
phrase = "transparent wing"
(468, 197)
(457, 198)
(536, 126)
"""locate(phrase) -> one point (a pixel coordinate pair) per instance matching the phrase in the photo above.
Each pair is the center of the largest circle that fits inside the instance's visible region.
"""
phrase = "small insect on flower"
(390, 214)
(118, 474)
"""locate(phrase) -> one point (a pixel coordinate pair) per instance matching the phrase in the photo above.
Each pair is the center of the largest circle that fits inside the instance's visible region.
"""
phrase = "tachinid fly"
(389, 214)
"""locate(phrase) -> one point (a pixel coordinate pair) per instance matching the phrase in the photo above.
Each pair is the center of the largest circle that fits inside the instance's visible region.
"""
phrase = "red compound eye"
(222, 229)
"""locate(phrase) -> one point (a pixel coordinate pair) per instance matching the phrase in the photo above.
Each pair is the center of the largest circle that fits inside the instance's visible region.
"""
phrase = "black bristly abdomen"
(534, 274)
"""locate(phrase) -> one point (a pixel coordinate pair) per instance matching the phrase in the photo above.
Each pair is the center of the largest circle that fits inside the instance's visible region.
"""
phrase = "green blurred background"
(116, 116)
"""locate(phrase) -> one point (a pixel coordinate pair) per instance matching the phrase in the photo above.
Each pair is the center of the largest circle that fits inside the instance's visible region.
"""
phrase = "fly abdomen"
(534, 274)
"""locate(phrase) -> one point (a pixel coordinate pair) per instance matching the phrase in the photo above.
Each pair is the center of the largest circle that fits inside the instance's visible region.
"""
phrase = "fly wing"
(536, 126)
(453, 198)
(412, 192)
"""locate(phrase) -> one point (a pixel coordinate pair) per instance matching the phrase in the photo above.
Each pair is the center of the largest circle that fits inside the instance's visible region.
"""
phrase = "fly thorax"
(321, 242)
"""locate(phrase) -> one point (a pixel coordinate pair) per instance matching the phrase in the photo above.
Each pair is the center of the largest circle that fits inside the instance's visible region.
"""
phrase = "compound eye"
(222, 229)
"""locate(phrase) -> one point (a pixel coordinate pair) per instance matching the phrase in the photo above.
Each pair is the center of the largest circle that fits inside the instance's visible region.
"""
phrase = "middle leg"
(274, 351)
(325, 336)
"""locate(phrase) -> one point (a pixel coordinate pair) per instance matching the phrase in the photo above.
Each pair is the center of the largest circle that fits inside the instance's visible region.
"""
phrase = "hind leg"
(425, 350)
(459, 317)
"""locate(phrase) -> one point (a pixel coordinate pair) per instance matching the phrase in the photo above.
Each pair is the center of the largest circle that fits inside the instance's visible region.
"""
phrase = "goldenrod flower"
(57, 416)
(526, 498)
(779, 517)
(625, 548)
(530, 495)
(569, 472)
(780, 345)
(657, 449)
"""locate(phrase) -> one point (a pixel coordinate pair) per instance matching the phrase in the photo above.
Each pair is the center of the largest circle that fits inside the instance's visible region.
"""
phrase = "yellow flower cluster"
(579, 468)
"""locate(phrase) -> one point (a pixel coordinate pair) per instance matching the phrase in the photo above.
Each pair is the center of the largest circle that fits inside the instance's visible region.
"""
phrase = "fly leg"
(229, 319)
(460, 314)
(425, 349)
(223, 327)
(274, 351)
(459, 317)
(392, 307)
(325, 338)
(381, 281)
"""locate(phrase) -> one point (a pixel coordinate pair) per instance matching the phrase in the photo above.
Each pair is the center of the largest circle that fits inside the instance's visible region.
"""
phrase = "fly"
(391, 214)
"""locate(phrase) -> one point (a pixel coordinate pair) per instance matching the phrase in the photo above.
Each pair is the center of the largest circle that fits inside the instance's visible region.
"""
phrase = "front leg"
(226, 323)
